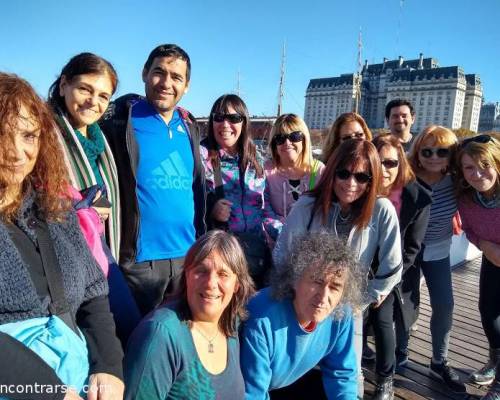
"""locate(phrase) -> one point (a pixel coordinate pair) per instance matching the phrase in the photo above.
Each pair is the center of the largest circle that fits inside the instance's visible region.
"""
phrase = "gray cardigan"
(382, 234)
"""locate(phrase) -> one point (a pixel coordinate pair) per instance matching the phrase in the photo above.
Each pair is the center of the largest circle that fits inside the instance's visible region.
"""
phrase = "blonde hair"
(288, 123)
(485, 155)
(440, 136)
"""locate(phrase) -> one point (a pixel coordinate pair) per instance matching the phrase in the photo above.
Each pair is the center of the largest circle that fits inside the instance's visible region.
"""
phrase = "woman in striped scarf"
(79, 97)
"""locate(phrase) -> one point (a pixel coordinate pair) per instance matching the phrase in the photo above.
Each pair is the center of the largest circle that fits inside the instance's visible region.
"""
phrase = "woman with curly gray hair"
(305, 319)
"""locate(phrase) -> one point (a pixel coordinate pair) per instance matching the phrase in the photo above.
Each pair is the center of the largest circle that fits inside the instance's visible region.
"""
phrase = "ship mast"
(357, 77)
(281, 90)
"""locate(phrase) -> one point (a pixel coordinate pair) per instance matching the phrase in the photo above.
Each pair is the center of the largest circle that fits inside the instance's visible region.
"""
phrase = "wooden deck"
(468, 345)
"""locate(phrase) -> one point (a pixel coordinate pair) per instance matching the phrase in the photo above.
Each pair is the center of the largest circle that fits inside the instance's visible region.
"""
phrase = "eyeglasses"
(354, 135)
(477, 139)
(344, 174)
(440, 152)
(294, 137)
(231, 118)
(389, 163)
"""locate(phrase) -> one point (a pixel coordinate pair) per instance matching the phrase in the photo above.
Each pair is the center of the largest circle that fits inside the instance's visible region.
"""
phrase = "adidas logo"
(171, 174)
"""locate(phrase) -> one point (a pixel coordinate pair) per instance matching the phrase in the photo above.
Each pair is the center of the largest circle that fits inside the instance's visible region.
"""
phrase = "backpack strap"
(314, 172)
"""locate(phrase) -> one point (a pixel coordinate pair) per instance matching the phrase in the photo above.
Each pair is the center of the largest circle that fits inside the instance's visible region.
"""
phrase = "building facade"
(489, 119)
(441, 95)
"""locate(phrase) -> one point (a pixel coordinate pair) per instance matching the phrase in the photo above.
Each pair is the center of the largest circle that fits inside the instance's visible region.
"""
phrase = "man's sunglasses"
(440, 152)
(294, 137)
(477, 139)
(354, 135)
(361, 177)
(231, 118)
(389, 163)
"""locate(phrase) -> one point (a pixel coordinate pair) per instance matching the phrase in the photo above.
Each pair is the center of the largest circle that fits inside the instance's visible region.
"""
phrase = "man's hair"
(330, 256)
(398, 103)
(169, 50)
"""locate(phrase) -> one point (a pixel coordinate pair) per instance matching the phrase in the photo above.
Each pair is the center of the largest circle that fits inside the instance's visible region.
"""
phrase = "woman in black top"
(412, 202)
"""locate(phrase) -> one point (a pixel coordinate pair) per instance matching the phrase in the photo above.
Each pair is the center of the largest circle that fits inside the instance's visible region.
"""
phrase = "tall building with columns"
(441, 95)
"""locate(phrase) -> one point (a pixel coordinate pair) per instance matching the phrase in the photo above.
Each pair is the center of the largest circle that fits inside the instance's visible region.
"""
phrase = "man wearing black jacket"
(156, 149)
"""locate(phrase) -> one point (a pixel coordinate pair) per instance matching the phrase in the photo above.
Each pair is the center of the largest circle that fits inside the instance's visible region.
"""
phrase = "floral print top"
(251, 209)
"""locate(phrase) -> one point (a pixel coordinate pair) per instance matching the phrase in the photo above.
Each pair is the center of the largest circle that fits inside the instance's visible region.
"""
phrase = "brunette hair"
(350, 153)
(49, 175)
(332, 139)
(440, 136)
(227, 247)
(398, 103)
(81, 64)
(169, 50)
(288, 123)
(405, 173)
(484, 155)
(245, 145)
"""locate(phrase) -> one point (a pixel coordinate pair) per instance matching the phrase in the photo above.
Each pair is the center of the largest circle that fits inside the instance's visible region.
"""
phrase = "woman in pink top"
(292, 169)
(478, 171)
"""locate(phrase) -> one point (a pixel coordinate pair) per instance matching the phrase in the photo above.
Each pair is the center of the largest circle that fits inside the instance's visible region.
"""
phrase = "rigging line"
(398, 33)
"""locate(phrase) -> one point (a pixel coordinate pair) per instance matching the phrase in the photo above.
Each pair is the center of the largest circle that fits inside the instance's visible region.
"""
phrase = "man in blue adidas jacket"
(156, 148)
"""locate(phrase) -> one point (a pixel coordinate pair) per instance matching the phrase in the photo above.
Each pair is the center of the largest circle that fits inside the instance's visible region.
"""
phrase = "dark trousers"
(382, 319)
(150, 281)
(489, 304)
(308, 386)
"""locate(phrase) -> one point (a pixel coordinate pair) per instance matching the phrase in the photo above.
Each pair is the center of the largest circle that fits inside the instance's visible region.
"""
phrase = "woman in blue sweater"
(305, 319)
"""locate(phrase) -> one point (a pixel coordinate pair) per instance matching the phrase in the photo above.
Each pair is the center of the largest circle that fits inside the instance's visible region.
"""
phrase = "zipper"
(137, 218)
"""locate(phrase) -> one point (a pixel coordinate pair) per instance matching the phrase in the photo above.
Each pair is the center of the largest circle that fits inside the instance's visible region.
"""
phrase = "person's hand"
(105, 387)
(72, 395)
(222, 210)
(103, 212)
(380, 301)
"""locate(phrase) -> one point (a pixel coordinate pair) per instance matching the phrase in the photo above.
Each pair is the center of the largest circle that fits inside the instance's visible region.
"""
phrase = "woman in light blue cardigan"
(345, 203)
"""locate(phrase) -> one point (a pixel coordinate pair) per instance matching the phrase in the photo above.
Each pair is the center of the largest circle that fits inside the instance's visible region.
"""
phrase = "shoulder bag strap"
(59, 305)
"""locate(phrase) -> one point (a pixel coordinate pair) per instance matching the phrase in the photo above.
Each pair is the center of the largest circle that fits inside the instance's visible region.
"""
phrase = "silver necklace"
(210, 341)
(344, 219)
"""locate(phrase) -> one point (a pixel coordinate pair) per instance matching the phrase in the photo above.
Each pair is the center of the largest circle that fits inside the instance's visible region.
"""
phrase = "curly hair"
(49, 176)
(332, 139)
(288, 123)
(225, 246)
(330, 256)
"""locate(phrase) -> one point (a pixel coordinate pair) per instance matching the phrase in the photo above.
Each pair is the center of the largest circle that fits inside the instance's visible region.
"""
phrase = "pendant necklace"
(210, 341)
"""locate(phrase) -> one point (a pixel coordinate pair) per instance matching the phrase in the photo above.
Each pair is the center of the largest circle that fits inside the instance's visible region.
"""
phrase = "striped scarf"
(82, 176)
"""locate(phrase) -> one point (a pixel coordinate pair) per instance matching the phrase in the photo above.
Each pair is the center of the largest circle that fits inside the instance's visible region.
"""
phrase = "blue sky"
(223, 37)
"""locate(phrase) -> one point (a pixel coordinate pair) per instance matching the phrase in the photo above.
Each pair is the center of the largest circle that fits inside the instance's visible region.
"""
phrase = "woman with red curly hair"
(55, 324)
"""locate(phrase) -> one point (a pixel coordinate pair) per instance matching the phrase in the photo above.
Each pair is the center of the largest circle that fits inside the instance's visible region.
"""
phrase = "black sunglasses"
(354, 135)
(440, 152)
(231, 118)
(361, 177)
(477, 139)
(389, 163)
(293, 137)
